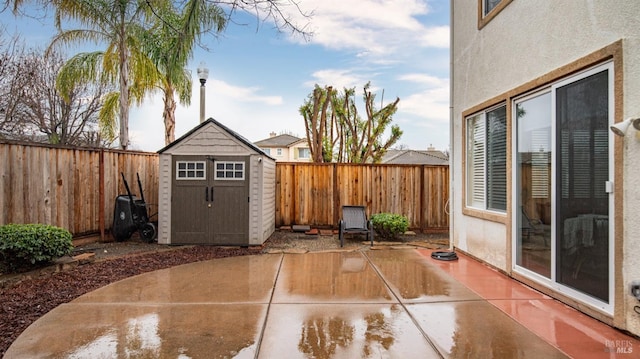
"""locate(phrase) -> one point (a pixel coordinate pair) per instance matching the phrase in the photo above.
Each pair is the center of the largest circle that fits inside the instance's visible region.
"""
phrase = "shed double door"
(210, 200)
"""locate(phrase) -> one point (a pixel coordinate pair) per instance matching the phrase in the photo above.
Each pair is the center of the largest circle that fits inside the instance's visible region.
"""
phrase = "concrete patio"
(343, 304)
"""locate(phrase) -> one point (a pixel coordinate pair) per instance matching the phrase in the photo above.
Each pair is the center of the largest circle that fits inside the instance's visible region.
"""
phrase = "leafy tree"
(335, 130)
(314, 111)
(170, 53)
(122, 26)
(119, 25)
(370, 144)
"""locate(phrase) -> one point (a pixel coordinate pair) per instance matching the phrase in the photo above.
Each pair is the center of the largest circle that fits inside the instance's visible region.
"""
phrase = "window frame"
(234, 171)
(588, 303)
(196, 171)
(485, 18)
(473, 199)
(306, 151)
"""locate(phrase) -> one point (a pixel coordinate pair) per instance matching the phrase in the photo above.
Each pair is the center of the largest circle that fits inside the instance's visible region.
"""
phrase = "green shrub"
(389, 225)
(28, 245)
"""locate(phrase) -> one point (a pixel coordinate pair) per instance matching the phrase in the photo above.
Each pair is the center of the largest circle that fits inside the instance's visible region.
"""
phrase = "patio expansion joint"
(266, 316)
(411, 302)
(404, 306)
(162, 304)
(328, 302)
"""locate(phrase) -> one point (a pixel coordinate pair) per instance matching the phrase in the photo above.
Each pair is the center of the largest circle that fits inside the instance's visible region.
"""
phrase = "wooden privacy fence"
(313, 194)
(75, 188)
(71, 188)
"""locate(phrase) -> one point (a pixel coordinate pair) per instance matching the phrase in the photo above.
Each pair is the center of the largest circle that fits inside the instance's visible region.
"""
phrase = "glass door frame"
(606, 307)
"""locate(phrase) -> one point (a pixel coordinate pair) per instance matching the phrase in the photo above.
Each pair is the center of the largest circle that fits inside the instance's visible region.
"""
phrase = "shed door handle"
(211, 193)
(206, 194)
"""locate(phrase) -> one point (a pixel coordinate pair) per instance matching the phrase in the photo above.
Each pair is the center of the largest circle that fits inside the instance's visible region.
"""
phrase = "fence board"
(62, 186)
(313, 194)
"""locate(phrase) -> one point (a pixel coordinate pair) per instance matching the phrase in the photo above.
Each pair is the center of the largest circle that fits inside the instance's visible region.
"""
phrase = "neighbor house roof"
(278, 141)
(415, 157)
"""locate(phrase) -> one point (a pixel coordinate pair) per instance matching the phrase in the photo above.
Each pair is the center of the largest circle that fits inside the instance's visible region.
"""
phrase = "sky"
(259, 77)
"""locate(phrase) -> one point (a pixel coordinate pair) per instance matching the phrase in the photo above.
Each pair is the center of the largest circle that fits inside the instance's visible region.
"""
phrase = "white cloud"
(225, 102)
(244, 94)
(371, 27)
(425, 79)
(336, 78)
(436, 37)
(432, 104)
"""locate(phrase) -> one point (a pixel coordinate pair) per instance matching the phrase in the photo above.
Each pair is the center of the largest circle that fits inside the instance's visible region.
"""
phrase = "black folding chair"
(354, 220)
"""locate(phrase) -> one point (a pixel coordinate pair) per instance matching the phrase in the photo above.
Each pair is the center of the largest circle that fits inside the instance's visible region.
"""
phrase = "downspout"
(449, 255)
(451, 128)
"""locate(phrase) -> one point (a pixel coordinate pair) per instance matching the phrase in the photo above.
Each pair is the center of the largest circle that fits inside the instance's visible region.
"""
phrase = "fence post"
(336, 198)
(422, 199)
(101, 194)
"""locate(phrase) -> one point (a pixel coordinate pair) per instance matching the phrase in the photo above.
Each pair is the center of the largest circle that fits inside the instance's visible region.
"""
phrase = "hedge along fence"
(72, 188)
(313, 194)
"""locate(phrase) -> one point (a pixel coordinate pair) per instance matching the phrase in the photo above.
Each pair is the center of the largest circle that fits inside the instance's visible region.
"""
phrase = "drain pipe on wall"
(451, 128)
(450, 255)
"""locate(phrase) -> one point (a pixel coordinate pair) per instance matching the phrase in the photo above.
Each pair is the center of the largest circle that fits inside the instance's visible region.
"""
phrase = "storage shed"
(215, 188)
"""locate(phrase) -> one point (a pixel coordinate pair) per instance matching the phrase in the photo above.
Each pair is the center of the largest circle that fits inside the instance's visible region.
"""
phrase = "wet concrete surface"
(348, 304)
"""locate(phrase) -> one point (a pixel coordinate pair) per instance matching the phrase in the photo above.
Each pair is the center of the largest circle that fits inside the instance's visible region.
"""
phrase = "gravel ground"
(24, 301)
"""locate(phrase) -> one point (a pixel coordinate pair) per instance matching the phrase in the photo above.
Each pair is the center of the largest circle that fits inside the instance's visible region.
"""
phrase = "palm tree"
(169, 44)
(120, 25)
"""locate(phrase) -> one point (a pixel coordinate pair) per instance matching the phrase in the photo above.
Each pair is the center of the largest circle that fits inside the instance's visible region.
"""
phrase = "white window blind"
(487, 160)
(540, 163)
(475, 161)
(497, 159)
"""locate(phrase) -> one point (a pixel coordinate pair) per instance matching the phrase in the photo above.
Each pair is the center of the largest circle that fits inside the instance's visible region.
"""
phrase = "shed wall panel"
(268, 198)
(255, 201)
(164, 199)
(210, 140)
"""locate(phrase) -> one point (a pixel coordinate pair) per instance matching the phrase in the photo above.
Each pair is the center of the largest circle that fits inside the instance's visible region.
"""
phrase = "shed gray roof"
(415, 157)
(224, 128)
(278, 141)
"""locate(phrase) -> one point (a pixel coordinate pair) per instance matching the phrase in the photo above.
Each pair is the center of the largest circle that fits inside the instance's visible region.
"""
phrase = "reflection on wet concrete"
(372, 304)
(476, 329)
(415, 279)
(333, 277)
(242, 279)
(141, 331)
(342, 331)
(321, 336)
(141, 339)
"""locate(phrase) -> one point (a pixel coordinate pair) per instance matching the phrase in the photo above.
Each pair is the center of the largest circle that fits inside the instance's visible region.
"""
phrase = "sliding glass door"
(582, 134)
(562, 172)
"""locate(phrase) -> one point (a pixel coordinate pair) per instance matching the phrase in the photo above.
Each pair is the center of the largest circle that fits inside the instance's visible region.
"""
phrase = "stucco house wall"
(284, 148)
(527, 45)
(294, 151)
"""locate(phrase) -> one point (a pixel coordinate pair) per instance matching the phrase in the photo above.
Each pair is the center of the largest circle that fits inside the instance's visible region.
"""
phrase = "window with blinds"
(497, 159)
(487, 160)
(489, 5)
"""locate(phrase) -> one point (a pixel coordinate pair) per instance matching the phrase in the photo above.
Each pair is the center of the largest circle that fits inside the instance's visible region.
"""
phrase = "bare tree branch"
(31, 108)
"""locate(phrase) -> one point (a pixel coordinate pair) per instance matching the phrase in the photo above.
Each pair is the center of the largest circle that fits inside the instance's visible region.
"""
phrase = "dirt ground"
(281, 240)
